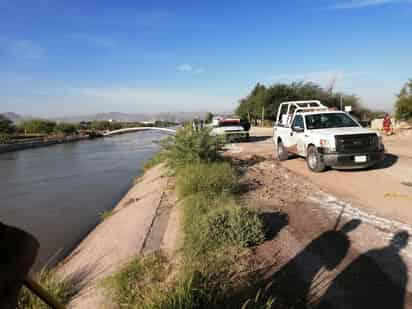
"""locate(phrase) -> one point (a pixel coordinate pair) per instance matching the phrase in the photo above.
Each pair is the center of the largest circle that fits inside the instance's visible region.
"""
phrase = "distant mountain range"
(121, 117)
(126, 117)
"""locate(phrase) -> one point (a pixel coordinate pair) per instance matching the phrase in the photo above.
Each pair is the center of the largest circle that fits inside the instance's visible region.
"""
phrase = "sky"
(64, 58)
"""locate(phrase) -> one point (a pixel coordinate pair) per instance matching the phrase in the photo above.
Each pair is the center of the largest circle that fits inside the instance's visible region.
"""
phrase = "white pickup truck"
(232, 129)
(326, 138)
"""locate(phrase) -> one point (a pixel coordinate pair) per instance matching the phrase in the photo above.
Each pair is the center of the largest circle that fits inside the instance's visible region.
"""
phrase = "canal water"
(58, 193)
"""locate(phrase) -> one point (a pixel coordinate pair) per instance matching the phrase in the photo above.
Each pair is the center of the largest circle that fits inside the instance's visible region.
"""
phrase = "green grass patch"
(236, 226)
(106, 214)
(141, 283)
(213, 179)
(63, 290)
(136, 285)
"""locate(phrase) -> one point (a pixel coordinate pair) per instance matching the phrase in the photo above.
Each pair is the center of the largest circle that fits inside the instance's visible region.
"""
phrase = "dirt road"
(384, 191)
(334, 239)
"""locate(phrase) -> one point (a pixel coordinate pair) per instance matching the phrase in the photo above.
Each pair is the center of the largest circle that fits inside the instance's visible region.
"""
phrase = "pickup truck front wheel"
(283, 154)
(314, 160)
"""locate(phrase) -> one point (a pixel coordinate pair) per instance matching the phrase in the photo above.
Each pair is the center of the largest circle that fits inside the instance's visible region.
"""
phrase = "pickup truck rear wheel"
(282, 152)
(314, 160)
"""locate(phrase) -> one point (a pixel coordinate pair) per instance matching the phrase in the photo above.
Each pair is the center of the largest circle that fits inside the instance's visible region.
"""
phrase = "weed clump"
(237, 226)
(63, 290)
(191, 147)
(213, 180)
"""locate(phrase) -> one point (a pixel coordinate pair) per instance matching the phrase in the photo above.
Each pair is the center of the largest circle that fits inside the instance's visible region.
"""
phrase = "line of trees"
(48, 127)
(263, 102)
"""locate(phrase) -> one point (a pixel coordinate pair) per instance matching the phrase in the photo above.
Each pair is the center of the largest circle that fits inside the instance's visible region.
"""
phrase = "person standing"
(387, 125)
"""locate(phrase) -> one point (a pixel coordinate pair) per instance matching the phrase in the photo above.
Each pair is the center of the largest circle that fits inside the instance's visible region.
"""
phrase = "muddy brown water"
(57, 193)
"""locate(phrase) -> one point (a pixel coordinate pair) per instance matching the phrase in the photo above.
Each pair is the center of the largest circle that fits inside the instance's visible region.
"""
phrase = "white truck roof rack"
(294, 107)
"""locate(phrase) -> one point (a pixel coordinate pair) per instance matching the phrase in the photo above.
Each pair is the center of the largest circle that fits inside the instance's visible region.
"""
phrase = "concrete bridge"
(128, 130)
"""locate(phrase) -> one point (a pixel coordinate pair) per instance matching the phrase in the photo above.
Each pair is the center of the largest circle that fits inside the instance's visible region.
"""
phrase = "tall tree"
(403, 106)
(209, 117)
(6, 125)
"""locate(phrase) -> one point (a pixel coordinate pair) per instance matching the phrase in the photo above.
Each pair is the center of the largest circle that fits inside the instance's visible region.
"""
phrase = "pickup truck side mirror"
(298, 129)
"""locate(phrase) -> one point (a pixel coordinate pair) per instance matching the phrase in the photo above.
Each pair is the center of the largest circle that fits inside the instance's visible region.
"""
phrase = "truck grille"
(357, 143)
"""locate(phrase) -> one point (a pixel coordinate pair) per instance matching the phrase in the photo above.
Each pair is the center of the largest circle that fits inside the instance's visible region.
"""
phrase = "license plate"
(361, 159)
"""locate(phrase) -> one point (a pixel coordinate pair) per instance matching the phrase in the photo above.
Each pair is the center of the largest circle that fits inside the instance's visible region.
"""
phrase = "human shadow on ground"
(274, 223)
(294, 280)
(376, 279)
(389, 160)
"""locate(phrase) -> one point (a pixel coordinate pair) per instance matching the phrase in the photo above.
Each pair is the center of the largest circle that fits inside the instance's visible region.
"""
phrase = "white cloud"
(354, 4)
(187, 68)
(320, 77)
(198, 71)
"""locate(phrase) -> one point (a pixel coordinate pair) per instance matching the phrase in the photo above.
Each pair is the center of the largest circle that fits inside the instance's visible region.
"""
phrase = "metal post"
(341, 103)
(263, 116)
(38, 290)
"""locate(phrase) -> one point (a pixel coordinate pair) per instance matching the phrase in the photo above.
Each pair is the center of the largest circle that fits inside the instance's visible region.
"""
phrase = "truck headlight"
(327, 145)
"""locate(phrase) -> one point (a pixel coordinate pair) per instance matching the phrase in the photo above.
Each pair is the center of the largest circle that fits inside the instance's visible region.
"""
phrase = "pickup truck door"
(297, 136)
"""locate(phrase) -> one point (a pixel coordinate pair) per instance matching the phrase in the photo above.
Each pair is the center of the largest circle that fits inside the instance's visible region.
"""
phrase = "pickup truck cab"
(326, 138)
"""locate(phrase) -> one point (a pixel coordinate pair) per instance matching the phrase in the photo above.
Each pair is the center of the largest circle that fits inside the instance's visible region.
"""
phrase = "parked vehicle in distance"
(325, 137)
(232, 129)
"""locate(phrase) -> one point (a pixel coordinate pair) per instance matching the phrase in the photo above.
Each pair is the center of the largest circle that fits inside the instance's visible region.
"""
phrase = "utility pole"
(263, 116)
(341, 103)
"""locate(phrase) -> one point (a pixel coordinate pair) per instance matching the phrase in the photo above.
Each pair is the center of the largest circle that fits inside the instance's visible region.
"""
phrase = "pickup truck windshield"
(327, 121)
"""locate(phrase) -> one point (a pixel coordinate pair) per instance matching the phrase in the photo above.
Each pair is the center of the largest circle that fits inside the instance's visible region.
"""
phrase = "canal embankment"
(41, 142)
(128, 230)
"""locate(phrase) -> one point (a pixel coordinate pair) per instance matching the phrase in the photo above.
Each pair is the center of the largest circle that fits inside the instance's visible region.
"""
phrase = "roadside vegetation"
(217, 234)
(30, 129)
(62, 290)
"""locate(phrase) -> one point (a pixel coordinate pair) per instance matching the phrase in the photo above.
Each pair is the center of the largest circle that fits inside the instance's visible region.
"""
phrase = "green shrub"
(62, 290)
(6, 125)
(189, 147)
(195, 210)
(4, 138)
(238, 226)
(212, 179)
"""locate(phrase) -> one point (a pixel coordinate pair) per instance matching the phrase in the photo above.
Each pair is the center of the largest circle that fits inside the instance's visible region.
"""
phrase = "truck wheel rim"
(312, 160)
(280, 149)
